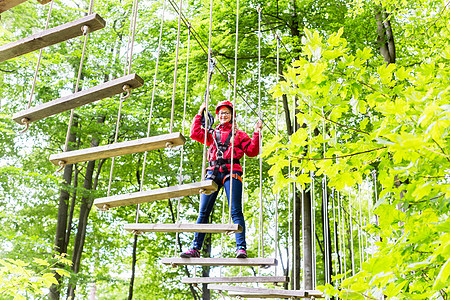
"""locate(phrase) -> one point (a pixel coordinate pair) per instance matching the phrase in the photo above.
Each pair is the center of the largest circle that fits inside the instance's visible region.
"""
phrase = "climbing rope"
(158, 53)
(360, 230)
(39, 57)
(261, 217)
(207, 90)
(85, 30)
(326, 228)
(277, 195)
(351, 250)
(172, 111)
(180, 174)
(126, 88)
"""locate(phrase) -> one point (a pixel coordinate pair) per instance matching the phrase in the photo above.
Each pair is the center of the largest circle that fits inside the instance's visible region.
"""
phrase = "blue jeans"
(207, 204)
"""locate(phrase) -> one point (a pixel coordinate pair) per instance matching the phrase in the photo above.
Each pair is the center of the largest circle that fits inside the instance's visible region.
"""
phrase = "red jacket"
(242, 142)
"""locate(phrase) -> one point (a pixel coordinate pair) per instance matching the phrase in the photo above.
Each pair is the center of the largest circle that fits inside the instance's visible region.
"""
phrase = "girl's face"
(224, 115)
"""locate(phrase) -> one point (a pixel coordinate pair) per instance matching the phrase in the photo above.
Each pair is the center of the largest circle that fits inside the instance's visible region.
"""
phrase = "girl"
(219, 160)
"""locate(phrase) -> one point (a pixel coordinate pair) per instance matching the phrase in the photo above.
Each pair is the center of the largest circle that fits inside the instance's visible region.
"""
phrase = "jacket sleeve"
(198, 133)
(250, 145)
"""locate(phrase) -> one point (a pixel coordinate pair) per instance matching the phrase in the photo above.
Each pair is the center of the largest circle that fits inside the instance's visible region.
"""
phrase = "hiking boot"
(190, 253)
(241, 253)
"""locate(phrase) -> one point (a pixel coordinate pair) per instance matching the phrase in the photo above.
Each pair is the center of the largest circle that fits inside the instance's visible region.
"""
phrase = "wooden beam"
(8, 4)
(258, 279)
(78, 99)
(260, 292)
(208, 186)
(118, 149)
(51, 36)
(311, 293)
(178, 261)
(206, 228)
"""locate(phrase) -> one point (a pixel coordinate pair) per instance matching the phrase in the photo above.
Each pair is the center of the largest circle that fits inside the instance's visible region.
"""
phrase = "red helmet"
(224, 103)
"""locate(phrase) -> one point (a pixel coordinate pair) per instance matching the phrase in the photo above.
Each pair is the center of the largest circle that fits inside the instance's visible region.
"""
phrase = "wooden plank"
(206, 228)
(258, 279)
(260, 291)
(118, 149)
(176, 191)
(178, 261)
(311, 293)
(78, 99)
(8, 4)
(51, 36)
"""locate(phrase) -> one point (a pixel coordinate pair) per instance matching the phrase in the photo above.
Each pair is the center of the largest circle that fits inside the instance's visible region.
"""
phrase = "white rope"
(233, 127)
(289, 239)
(85, 30)
(341, 199)
(352, 248)
(360, 230)
(127, 89)
(207, 91)
(176, 67)
(131, 35)
(335, 238)
(326, 228)
(153, 92)
(39, 57)
(180, 178)
(277, 195)
(261, 217)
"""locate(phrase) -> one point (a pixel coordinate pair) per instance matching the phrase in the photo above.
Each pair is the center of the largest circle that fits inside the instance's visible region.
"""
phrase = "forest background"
(373, 76)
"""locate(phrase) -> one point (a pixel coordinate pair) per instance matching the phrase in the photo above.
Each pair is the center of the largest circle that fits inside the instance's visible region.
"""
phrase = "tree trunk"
(133, 268)
(85, 208)
(385, 39)
(327, 261)
(308, 240)
(61, 223)
(206, 293)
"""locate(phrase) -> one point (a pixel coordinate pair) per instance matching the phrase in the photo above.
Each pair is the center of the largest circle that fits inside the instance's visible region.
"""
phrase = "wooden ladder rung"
(207, 186)
(78, 99)
(51, 36)
(178, 261)
(206, 228)
(118, 149)
(258, 279)
(250, 292)
(8, 4)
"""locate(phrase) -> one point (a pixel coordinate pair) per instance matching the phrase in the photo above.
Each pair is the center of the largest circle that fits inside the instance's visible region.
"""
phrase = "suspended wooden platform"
(8, 4)
(78, 99)
(251, 292)
(178, 261)
(118, 149)
(206, 186)
(206, 228)
(258, 279)
(51, 36)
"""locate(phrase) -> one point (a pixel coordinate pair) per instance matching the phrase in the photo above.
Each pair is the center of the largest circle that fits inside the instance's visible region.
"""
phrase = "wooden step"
(78, 99)
(250, 292)
(206, 228)
(8, 4)
(118, 149)
(207, 186)
(51, 36)
(258, 279)
(178, 261)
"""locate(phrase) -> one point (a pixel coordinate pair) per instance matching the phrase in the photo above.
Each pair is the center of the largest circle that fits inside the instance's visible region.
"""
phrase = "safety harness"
(220, 161)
